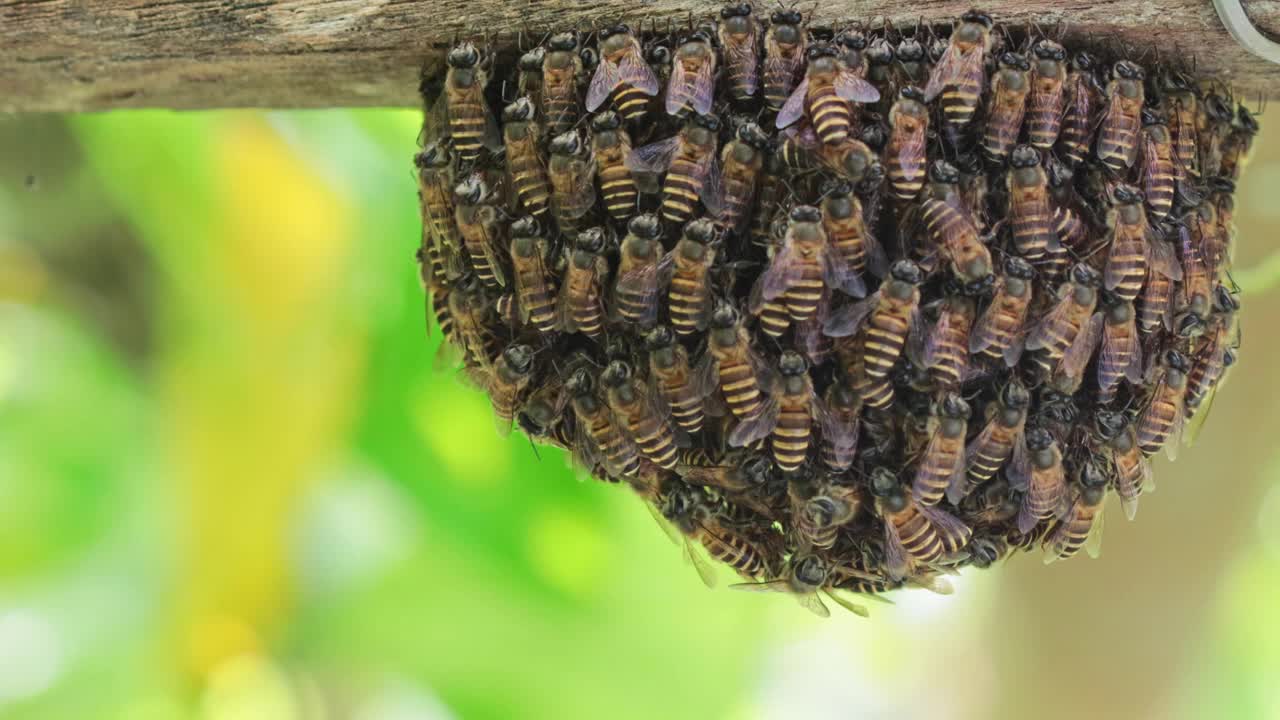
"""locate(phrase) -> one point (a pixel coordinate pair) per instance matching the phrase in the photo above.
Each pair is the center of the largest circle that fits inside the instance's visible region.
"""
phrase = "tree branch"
(67, 55)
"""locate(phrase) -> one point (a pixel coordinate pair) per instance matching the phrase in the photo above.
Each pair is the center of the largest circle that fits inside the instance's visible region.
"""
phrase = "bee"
(637, 416)
(1030, 215)
(818, 519)
(914, 63)
(1156, 308)
(622, 74)
(915, 535)
(535, 286)
(942, 465)
(802, 268)
(959, 75)
(1160, 422)
(739, 34)
(1197, 285)
(973, 188)
(740, 373)
(950, 228)
(1238, 145)
(1121, 354)
(690, 162)
(904, 155)
(611, 144)
(1133, 470)
(675, 385)
(529, 82)
(689, 292)
(541, 416)
(471, 125)
(1006, 418)
(784, 49)
(1160, 171)
(791, 412)
(998, 332)
(508, 382)
(1209, 361)
(1068, 217)
(570, 170)
(693, 76)
(890, 315)
(741, 161)
(1117, 145)
(435, 191)
(1082, 525)
(477, 221)
(561, 69)
(468, 311)
(1184, 110)
(642, 271)
(1010, 86)
(824, 96)
(1073, 308)
(771, 187)
(1132, 249)
(1213, 225)
(843, 407)
(579, 305)
(1213, 124)
(946, 350)
(1037, 468)
(600, 438)
(847, 231)
(524, 161)
(879, 59)
(1080, 106)
(1047, 100)
(687, 509)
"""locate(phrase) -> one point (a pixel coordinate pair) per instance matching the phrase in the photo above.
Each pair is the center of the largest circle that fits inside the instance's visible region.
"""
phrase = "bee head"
(911, 92)
(1015, 395)
(910, 50)
(1109, 423)
(1093, 478)
(463, 56)
(591, 240)
(874, 135)
(470, 191)
(1229, 357)
(724, 316)
(1177, 82)
(819, 50)
(1127, 195)
(792, 363)
(645, 225)
(702, 230)
(1059, 174)
(616, 374)
(699, 36)
(659, 337)
(943, 173)
(738, 10)
(526, 226)
(1024, 156)
(1151, 116)
(883, 482)
(954, 406)
(786, 16)
(1218, 109)
(879, 52)
(606, 121)
(619, 29)
(1190, 325)
(567, 143)
(1083, 62)
(434, 155)
(751, 134)
(758, 469)
(1224, 301)
(805, 214)
(1176, 360)
(563, 42)
(852, 40)
(1127, 70)
(532, 60)
(1038, 439)
(1246, 121)
(1219, 184)
(1016, 61)
(590, 58)
(519, 111)
(707, 122)
(519, 358)
(1049, 50)
(1017, 267)
(906, 271)
(580, 382)
(659, 55)
(979, 17)
(809, 571)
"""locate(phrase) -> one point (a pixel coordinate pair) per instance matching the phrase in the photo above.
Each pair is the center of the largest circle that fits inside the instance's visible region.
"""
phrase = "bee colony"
(847, 308)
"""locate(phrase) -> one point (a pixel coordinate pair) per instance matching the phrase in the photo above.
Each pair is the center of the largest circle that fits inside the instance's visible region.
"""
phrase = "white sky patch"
(32, 655)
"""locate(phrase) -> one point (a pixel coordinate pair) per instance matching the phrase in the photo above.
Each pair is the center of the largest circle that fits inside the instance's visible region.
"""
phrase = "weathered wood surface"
(69, 55)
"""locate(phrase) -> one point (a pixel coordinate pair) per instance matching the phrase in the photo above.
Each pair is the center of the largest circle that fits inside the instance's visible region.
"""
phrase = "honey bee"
(946, 350)
(843, 408)
(471, 125)
(1197, 285)
(942, 465)
(890, 315)
(561, 69)
(772, 186)
(1160, 423)
(541, 416)
(1160, 171)
(535, 286)
(739, 35)
(1073, 308)
(904, 154)
(623, 74)
(524, 161)
(959, 75)
(784, 49)
(740, 373)
(1037, 468)
(1156, 308)
(1133, 470)
(807, 574)
(1213, 124)
(468, 310)
(818, 519)
(1121, 354)
(1080, 106)
(1238, 145)
(693, 170)
(951, 230)
(687, 509)
(998, 332)
(879, 57)
(529, 80)
(1132, 247)
(1183, 101)
(435, 191)
(508, 382)
(1213, 227)
(824, 96)
(1082, 525)
(914, 63)
(581, 292)
(637, 416)
(802, 268)
(611, 144)
(1068, 216)
(693, 76)
(1010, 86)
(477, 221)
(1209, 360)
(973, 188)
(676, 386)
(689, 293)
(791, 412)
(1030, 215)
(741, 162)
(1117, 145)
(600, 438)
(642, 271)
(1047, 101)
(1006, 418)
(570, 170)
(847, 231)
(915, 535)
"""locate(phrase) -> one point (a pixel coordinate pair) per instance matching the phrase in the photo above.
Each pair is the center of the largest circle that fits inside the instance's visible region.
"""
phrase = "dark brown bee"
(915, 536)
(1030, 216)
(1132, 250)
(741, 162)
(1080, 108)
(848, 234)
(1184, 109)
(843, 408)
(951, 230)
(689, 293)
(542, 415)
(470, 122)
(1006, 417)
(1082, 525)
(880, 72)
(690, 161)
(851, 160)
(794, 408)
(1068, 215)
(622, 74)
(913, 61)
(676, 386)
(1121, 354)
(1047, 101)
(1213, 124)
(904, 157)
(1010, 86)
(688, 510)
(1209, 359)
(520, 136)
(784, 48)
(693, 76)
(890, 314)
(739, 372)
(739, 34)
(435, 192)
(802, 268)
(507, 383)
(642, 271)
(942, 466)
(1216, 241)
(818, 519)
(600, 440)
(581, 293)
(946, 350)
(959, 76)
(1156, 308)
(468, 309)
(769, 196)
(1160, 423)
(438, 300)
(1238, 145)
(611, 145)
(529, 81)
(807, 574)
(1117, 145)
(1197, 280)
(477, 221)
(1133, 470)
(1160, 171)
(825, 94)
(535, 286)
(561, 69)
(1072, 311)
(1037, 468)
(637, 416)
(570, 170)
(998, 332)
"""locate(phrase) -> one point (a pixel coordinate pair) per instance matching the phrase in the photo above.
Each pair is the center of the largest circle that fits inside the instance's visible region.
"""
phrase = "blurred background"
(232, 486)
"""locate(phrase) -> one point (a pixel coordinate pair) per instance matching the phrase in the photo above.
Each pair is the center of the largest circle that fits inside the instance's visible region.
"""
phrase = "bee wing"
(1039, 337)
(712, 191)
(634, 71)
(778, 585)
(934, 340)
(1093, 541)
(705, 376)
(911, 155)
(836, 274)
(679, 89)
(492, 249)
(1162, 259)
(877, 261)
(1172, 443)
(848, 318)
(744, 56)
(955, 534)
(982, 336)
(654, 157)
(642, 281)
(1019, 468)
(564, 312)
(706, 573)
(896, 564)
(602, 84)
(775, 279)
(1076, 356)
(852, 87)
(955, 66)
(793, 109)
(847, 604)
(756, 428)
(839, 434)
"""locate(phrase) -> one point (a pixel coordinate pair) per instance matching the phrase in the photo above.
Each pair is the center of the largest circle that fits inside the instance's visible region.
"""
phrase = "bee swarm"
(848, 308)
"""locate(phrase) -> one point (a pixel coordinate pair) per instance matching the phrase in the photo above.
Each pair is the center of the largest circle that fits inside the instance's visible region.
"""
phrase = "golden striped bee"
(1081, 527)
(561, 68)
(991, 448)
(793, 408)
(529, 82)
(689, 290)
(580, 304)
(818, 518)
(1121, 353)
(847, 232)
(570, 170)
(1209, 359)
(784, 49)
(946, 351)
(1117, 146)
(691, 165)
(1132, 247)
(1238, 145)
(739, 34)
(1073, 308)
(468, 310)
(1183, 99)
(636, 415)
(435, 193)
(942, 464)
(693, 76)
(825, 94)
(600, 440)
(741, 374)
(960, 76)
(611, 145)
(802, 268)
(1083, 96)
(535, 285)
(999, 331)
(1133, 475)
(622, 74)
(479, 227)
(890, 315)
(1010, 86)
(677, 389)
(1213, 124)
(1160, 422)
(642, 271)
(1037, 469)
(741, 164)
(470, 121)
(844, 409)
(1047, 100)
(1160, 171)
(1030, 216)
(904, 155)
(951, 230)
(916, 537)
(507, 383)
(520, 133)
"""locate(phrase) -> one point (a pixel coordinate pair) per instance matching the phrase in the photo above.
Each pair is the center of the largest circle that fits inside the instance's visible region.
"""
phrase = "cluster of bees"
(847, 308)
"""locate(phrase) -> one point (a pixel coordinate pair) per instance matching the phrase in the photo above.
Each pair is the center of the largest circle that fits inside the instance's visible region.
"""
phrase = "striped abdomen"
(634, 303)
(952, 353)
(739, 190)
(686, 407)
(948, 227)
(905, 182)
(779, 81)
(733, 551)
(1127, 264)
(680, 190)
(849, 243)
(1130, 471)
(1157, 300)
(528, 176)
(687, 298)
(1003, 126)
(1072, 532)
(1159, 182)
(1118, 139)
(770, 192)
(439, 296)
(792, 434)
(1003, 319)
(607, 437)
(934, 474)
(992, 452)
(960, 100)
(838, 457)
(1032, 227)
(1206, 370)
(828, 112)
(1044, 118)
(1158, 419)
(1184, 137)
(1075, 133)
(652, 436)
(630, 102)
(618, 189)
(805, 292)
(740, 386)
(467, 123)
(583, 301)
(919, 538)
(883, 338)
(536, 296)
(774, 318)
(560, 102)
(475, 239)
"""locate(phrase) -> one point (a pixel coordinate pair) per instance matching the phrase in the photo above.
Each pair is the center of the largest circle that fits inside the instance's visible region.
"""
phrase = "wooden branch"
(68, 55)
